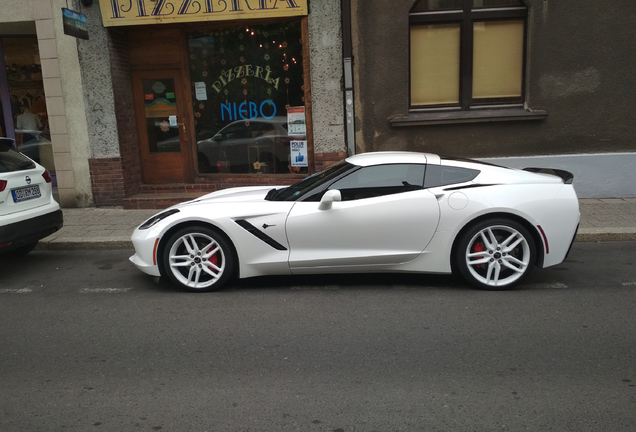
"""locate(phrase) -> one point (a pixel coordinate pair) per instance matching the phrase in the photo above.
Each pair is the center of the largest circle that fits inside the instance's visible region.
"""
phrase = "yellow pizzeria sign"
(136, 12)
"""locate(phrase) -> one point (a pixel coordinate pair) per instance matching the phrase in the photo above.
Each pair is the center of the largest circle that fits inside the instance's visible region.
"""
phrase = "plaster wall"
(98, 89)
(16, 11)
(600, 175)
(578, 69)
(325, 46)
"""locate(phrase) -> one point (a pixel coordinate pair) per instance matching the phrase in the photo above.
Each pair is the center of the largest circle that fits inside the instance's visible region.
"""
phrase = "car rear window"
(12, 160)
(440, 175)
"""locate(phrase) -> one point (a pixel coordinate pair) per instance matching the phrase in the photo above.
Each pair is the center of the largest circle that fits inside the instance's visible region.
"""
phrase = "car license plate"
(26, 193)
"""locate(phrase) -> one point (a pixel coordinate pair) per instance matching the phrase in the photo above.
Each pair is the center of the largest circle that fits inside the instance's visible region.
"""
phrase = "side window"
(237, 130)
(380, 180)
(260, 127)
(438, 175)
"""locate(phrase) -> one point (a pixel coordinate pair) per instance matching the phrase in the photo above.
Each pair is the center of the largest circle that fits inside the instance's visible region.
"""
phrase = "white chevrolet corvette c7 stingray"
(373, 212)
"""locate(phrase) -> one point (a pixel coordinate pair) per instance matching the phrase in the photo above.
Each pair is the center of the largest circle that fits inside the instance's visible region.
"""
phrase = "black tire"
(198, 259)
(22, 250)
(495, 254)
(204, 164)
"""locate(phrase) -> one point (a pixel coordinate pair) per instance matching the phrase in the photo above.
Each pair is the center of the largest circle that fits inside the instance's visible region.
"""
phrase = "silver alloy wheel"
(498, 256)
(196, 260)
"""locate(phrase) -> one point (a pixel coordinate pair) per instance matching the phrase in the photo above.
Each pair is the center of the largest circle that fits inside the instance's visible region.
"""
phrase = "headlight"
(156, 218)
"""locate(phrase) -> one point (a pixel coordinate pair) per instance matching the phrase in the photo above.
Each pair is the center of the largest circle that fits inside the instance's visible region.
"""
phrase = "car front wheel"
(495, 254)
(198, 259)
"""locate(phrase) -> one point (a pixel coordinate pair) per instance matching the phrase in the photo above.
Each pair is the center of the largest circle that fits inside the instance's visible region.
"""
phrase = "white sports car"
(373, 212)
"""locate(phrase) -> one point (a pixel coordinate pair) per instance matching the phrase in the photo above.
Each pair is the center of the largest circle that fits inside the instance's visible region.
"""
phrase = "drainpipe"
(347, 56)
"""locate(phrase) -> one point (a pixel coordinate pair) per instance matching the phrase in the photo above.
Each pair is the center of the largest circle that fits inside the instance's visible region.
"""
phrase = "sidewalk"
(110, 228)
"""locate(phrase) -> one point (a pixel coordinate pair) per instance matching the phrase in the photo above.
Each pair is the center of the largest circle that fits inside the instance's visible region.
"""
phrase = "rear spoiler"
(566, 176)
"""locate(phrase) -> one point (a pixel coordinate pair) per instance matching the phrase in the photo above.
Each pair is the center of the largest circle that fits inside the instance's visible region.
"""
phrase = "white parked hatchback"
(28, 211)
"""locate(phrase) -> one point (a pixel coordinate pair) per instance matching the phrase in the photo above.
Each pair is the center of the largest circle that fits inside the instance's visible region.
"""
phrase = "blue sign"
(248, 110)
(75, 24)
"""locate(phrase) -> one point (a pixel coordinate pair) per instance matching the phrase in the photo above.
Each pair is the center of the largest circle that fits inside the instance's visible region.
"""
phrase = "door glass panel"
(3, 126)
(160, 108)
(435, 64)
(497, 59)
(245, 78)
(25, 112)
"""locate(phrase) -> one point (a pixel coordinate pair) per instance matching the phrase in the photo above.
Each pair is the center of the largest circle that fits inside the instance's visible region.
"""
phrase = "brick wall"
(107, 181)
(323, 160)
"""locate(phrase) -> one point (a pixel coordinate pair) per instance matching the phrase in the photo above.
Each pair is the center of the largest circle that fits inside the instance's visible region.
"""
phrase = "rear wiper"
(26, 165)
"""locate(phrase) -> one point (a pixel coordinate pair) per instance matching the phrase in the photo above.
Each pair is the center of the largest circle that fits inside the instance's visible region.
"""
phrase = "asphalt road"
(89, 344)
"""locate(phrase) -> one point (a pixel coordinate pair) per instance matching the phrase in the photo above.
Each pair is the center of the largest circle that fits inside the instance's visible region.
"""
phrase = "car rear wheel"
(198, 259)
(496, 254)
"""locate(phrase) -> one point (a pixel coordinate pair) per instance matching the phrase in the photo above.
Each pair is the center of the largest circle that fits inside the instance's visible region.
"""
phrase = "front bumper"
(144, 242)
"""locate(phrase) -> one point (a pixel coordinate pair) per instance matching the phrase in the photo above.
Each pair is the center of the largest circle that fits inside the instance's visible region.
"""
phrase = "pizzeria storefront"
(220, 90)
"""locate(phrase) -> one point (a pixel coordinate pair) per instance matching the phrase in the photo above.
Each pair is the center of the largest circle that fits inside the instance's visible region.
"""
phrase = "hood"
(238, 194)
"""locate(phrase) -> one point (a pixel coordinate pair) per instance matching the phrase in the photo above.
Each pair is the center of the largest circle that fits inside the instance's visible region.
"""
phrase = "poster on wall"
(299, 153)
(200, 91)
(296, 121)
(75, 24)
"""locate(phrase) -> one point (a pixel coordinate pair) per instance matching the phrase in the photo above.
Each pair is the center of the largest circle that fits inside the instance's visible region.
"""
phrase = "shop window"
(467, 53)
(23, 113)
(244, 81)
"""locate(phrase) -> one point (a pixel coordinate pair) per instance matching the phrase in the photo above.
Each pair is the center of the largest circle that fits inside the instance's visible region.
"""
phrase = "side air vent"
(260, 234)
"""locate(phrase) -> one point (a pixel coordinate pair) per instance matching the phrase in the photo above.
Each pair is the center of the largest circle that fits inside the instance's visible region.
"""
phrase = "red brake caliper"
(214, 259)
(478, 248)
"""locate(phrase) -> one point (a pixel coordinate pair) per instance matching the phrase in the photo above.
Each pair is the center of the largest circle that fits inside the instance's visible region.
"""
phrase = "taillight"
(3, 185)
(47, 176)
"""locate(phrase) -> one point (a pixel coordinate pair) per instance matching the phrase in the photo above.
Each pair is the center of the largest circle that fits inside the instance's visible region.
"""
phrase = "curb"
(86, 244)
(606, 234)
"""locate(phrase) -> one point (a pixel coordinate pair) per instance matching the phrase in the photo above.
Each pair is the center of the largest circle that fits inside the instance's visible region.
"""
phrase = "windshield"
(311, 183)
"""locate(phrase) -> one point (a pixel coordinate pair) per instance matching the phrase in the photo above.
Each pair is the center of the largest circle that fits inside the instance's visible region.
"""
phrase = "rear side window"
(12, 160)
(439, 175)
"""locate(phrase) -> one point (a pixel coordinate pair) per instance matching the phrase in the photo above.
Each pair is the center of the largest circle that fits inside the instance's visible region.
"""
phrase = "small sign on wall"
(296, 121)
(75, 24)
(200, 91)
(298, 151)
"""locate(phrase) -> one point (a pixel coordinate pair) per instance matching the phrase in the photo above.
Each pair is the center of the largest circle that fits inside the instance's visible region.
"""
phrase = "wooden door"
(160, 109)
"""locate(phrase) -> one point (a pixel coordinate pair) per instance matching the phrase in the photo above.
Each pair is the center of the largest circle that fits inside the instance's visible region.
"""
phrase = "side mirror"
(329, 198)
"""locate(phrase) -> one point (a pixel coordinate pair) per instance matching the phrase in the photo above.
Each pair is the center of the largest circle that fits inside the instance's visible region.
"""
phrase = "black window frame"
(466, 17)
